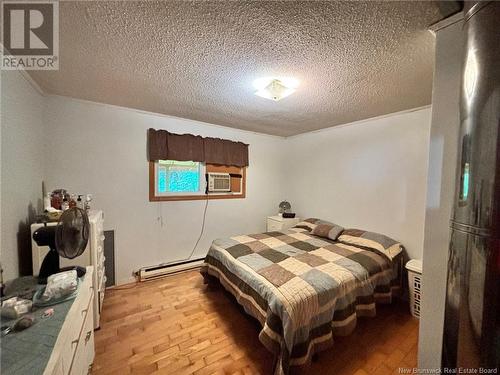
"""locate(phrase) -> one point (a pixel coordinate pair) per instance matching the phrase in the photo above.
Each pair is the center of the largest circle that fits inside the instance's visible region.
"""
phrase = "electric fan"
(67, 239)
(285, 207)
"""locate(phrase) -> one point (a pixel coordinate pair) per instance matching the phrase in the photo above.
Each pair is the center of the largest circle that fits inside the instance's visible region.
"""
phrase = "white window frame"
(203, 183)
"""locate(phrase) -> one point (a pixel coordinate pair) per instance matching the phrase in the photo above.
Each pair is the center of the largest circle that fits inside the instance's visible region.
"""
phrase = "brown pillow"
(330, 230)
(310, 224)
(376, 241)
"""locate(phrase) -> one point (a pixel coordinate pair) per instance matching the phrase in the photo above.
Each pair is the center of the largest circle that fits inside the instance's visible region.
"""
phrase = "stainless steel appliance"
(472, 316)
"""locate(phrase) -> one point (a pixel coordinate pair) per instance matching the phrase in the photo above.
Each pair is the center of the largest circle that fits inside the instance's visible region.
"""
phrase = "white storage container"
(414, 268)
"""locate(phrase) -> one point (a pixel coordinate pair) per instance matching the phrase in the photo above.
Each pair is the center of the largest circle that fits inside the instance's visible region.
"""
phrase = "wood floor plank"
(179, 326)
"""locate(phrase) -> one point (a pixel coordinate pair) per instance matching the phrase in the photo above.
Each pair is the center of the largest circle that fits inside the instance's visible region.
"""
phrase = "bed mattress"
(303, 289)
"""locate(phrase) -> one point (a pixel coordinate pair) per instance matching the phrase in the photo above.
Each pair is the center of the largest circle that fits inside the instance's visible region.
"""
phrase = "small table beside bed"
(307, 283)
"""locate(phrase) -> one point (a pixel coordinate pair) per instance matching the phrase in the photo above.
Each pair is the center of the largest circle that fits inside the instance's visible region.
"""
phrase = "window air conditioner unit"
(218, 182)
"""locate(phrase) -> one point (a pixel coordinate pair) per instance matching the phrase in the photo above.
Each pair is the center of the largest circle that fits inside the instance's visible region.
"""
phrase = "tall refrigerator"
(472, 315)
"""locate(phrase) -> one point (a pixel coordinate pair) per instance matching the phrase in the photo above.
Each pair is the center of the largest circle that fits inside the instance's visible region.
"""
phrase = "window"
(186, 180)
(174, 177)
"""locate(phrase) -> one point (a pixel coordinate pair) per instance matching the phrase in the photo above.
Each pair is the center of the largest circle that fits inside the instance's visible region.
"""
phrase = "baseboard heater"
(164, 269)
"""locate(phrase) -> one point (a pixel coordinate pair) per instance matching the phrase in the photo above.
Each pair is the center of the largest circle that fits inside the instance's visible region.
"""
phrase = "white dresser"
(61, 343)
(278, 223)
(92, 256)
(73, 352)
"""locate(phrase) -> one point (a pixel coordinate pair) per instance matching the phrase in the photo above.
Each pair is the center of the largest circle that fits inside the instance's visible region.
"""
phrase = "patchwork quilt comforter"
(302, 288)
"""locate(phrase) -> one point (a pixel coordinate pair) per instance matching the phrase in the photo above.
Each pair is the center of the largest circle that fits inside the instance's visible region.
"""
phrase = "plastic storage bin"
(414, 268)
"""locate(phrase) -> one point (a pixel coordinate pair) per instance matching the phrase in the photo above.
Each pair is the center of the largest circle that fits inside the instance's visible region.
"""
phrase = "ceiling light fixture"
(275, 88)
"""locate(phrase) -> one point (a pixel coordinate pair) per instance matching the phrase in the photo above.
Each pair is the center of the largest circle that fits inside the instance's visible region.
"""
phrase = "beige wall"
(440, 190)
(104, 153)
(22, 151)
(369, 174)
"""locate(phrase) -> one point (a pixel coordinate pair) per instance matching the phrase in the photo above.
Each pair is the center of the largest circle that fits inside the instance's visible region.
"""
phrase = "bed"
(304, 288)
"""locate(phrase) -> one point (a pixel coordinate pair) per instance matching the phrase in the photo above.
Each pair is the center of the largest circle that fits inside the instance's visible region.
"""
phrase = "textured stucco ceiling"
(197, 60)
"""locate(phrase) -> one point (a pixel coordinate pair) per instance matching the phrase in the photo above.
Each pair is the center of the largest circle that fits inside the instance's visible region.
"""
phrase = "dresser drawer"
(277, 223)
(83, 313)
(273, 225)
(84, 353)
(58, 368)
(101, 300)
(100, 261)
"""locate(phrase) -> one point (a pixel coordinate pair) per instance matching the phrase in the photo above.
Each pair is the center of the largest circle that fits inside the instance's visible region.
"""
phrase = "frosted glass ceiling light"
(274, 88)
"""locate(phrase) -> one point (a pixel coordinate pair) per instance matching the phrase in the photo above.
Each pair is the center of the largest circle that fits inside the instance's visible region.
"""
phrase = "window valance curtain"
(163, 145)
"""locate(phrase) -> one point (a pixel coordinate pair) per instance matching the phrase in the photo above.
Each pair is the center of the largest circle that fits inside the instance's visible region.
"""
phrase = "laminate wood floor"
(177, 325)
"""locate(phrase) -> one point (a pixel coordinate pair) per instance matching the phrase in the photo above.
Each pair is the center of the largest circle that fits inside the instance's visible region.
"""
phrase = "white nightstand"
(278, 223)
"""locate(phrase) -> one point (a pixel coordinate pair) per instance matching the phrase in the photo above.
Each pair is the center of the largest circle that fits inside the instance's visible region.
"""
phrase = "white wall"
(445, 126)
(22, 111)
(101, 149)
(369, 174)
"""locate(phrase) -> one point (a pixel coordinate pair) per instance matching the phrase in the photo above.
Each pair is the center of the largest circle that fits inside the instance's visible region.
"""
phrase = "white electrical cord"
(161, 222)
(202, 229)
